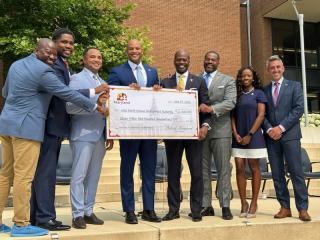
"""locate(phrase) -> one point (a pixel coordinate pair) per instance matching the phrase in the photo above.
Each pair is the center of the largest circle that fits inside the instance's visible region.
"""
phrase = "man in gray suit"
(28, 89)
(87, 141)
(222, 95)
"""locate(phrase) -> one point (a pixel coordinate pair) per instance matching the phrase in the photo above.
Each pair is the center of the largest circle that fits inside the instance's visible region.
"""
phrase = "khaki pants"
(20, 158)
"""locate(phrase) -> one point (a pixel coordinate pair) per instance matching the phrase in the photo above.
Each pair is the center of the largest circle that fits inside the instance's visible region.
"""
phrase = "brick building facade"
(194, 25)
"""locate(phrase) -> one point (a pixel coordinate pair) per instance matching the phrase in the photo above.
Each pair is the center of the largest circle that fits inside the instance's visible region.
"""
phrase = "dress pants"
(291, 151)
(20, 157)
(147, 150)
(86, 169)
(174, 151)
(44, 183)
(220, 150)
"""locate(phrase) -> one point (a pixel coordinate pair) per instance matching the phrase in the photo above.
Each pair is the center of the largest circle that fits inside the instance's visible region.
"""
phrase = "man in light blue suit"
(283, 134)
(28, 89)
(87, 140)
(135, 74)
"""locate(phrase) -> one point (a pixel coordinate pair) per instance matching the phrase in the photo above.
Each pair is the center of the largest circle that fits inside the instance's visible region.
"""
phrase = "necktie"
(96, 79)
(206, 79)
(140, 77)
(66, 64)
(181, 83)
(275, 94)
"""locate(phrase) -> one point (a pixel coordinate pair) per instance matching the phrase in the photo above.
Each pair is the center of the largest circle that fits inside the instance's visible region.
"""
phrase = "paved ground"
(183, 228)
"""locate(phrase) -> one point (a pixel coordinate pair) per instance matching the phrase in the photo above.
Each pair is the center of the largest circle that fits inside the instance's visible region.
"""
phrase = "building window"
(286, 43)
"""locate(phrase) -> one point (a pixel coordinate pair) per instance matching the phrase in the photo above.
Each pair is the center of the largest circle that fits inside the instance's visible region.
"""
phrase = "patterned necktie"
(181, 83)
(66, 64)
(140, 77)
(275, 94)
(206, 79)
(96, 79)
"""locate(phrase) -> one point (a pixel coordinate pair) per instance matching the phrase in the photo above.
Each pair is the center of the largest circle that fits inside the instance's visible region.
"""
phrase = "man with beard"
(222, 95)
(43, 212)
(183, 80)
(28, 89)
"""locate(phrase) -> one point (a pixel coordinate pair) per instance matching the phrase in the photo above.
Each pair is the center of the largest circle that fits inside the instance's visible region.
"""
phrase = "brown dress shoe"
(283, 213)
(304, 216)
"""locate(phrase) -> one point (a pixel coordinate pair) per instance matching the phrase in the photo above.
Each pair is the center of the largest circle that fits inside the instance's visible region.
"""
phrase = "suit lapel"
(189, 82)
(61, 65)
(148, 73)
(173, 81)
(214, 81)
(92, 82)
(131, 77)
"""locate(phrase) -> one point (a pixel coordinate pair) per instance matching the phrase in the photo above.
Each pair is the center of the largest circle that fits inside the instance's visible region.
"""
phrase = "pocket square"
(220, 86)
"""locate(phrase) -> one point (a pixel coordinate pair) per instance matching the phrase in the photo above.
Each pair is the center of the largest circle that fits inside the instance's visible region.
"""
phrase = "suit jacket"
(58, 121)
(122, 75)
(288, 110)
(223, 96)
(193, 82)
(85, 126)
(28, 90)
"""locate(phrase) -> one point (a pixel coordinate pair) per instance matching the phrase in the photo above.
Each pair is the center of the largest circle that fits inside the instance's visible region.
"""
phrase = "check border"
(109, 131)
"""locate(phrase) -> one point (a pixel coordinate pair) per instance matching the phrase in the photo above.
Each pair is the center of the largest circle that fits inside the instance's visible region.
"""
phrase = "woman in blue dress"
(248, 142)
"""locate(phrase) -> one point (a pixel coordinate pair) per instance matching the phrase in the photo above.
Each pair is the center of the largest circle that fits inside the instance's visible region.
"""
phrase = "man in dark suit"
(183, 80)
(283, 133)
(43, 212)
(135, 74)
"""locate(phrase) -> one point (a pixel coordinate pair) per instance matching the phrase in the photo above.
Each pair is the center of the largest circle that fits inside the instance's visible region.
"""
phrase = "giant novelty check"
(149, 114)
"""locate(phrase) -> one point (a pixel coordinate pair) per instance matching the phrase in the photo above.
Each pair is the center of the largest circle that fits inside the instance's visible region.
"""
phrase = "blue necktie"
(140, 77)
(206, 78)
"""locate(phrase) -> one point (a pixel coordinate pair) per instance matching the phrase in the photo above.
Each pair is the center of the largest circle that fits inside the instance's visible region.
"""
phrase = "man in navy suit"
(28, 90)
(135, 74)
(43, 212)
(283, 134)
(181, 80)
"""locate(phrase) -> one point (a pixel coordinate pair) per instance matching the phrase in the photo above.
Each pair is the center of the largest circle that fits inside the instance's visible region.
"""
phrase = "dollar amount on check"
(148, 114)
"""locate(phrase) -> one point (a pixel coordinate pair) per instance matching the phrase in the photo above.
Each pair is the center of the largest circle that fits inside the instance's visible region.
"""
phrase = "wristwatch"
(250, 134)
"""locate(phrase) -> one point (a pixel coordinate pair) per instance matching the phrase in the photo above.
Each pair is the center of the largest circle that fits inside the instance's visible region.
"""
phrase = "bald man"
(183, 80)
(28, 89)
(135, 74)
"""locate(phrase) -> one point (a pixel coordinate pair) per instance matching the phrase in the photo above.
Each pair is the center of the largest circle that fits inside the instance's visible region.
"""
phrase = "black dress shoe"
(196, 217)
(170, 216)
(226, 213)
(150, 215)
(131, 218)
(93, 219)
(207, 211)
(54, 225)
(79, 223)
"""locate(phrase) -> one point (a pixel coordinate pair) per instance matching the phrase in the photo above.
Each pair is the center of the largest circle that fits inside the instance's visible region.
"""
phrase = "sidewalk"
(261, 228)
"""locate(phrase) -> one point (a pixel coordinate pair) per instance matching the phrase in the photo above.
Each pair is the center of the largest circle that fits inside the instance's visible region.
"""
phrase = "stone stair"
(109, 184)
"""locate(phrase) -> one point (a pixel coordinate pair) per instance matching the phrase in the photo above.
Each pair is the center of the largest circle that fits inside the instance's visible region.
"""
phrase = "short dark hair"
(214, 52)
(88, 49)
(60, 31)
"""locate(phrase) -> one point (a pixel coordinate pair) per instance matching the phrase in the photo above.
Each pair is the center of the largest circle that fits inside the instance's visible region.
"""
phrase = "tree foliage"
(96, 23)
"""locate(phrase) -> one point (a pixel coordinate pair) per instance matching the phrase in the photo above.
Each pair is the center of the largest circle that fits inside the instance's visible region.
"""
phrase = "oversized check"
(148, 114)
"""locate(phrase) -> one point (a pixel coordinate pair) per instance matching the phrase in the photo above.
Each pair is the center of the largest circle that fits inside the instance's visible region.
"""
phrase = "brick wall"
(261, 35)
(195, 25)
